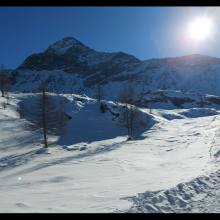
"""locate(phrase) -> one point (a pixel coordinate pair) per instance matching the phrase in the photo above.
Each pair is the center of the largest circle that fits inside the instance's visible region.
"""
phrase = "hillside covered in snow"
(170, 163)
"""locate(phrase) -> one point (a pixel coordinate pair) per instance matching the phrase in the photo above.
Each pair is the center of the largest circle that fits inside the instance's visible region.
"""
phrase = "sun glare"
(200, 28)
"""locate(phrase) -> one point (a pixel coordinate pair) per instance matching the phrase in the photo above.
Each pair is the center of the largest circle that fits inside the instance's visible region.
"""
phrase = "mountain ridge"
(66, 45)
(81, 68)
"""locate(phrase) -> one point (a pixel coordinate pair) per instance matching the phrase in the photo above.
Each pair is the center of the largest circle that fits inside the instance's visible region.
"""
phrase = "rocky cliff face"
(71, 56)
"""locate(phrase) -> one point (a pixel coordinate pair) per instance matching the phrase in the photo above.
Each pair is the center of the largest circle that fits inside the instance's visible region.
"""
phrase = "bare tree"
(142, 92)
(6, 101)
(4, 80)
(4, 105)
(7, 98)
(48, 116)
(99, 93)
(127, 94)
(130, 116)
(21, 110)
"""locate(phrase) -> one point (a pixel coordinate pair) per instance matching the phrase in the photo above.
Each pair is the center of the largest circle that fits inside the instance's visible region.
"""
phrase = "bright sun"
(200, 28)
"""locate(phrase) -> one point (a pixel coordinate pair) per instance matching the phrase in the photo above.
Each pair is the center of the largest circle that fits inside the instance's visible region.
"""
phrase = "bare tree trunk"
(4, 80)
(44, 122)
(7, 97)
(127, 118)
(131, 123)
(99, 92)
(131, 117)
(2, 91)
(45, 137)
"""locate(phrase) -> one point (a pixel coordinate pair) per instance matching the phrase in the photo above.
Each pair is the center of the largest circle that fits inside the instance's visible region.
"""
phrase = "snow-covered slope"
(94, 174)
(197, 196)
(198, 73)
(171, 99)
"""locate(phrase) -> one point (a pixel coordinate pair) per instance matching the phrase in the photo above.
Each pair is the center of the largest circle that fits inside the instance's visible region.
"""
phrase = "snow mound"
(199, 112)
(171, 116)
(94, 125)
(87, 123)
(188, 113)
(193, 196)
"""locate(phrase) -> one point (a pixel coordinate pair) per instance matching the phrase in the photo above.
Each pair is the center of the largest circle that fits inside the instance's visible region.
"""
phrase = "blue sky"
(145, 32)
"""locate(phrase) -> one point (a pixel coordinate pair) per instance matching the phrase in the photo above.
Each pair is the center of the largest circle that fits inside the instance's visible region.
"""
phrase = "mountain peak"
(198, 59)
(190, 60)
(197, 56)
(62, 46)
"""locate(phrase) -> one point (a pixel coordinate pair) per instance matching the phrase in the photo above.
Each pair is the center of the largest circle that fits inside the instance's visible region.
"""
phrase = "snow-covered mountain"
(170, 165)
(72, 57)
(197, 73)
(70, 66)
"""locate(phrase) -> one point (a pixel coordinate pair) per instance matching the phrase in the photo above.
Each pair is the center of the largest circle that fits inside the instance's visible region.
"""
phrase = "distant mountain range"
(69, 66)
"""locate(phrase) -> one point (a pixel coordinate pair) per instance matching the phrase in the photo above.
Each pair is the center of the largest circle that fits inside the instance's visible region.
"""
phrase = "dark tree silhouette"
(130, 116)
(99, 93)
(48, 115)
(4, 80)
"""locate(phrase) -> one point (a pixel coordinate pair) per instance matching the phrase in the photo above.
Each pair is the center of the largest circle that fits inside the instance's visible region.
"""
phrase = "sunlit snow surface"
(106, 173)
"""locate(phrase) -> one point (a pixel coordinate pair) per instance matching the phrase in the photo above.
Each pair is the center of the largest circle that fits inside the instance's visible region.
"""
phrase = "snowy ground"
(110, 174)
